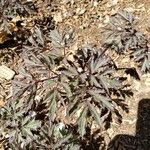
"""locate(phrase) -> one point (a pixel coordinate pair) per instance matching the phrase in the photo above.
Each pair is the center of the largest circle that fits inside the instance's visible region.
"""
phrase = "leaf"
(105, 100)
(114, 83)
(99, 63)
(103, 82)
(32, 124)
(76, 109)
(50, 94)
(145, 66)
(70, 71)
(62, 141)
(56, 38)
(75, 147)
(27, 132)
(28, 126)
(68, 37)
(83, 77)
(94, 81)
(52, 104)
(66, 86)
(95, 114)
(39, 35)
(72, 105)
(92, 65)
(82, 121)
(127, 16)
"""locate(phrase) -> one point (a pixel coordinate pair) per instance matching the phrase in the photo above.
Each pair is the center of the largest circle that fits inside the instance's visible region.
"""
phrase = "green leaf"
(40, 35)
(73, 70)
(27, 132)
(83, 77)
(25, 121)
(75, 82)
(34, 124)
(113, 83)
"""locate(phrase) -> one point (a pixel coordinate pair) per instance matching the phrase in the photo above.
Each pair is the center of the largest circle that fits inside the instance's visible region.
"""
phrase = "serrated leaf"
(83, 77)
(62, 141)
(139, 57)
(145, 66)
(27, 132)
(82, 122)
(113, 83)
(32, 124)
(39, 35)
(95, 114)
(92, 65)
(73, 70)
(105, 101)
(72, 106)
(78, 107)
(49, 96)
(127, 16)
(103, 83)
(99, 63)
(52, 104)
(94, 81)
(66, 86)
(56, 38)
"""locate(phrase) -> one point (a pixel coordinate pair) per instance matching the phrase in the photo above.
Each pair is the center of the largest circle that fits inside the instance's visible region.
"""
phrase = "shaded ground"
(141, 140)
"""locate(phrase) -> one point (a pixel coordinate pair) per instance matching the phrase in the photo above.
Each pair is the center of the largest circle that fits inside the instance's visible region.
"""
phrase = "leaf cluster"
(20, 129)
(81, 85)
(121, 35)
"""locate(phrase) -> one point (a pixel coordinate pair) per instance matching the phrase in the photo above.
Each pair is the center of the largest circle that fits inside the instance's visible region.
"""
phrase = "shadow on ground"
(141, 141)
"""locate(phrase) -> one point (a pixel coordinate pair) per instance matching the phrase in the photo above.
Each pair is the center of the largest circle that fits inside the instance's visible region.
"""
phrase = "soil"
(88, 18)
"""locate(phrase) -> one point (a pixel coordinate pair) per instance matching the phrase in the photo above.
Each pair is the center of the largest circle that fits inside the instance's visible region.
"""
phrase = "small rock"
(58, 17)
(6, 72)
